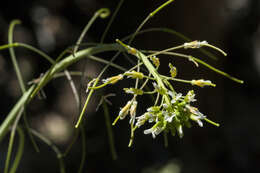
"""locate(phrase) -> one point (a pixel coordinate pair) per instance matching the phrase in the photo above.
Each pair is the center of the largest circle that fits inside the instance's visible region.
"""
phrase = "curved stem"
(203, 63)
(13, 57)
(61, 65)
(19, 151)
(92, 90)
(147, 18)
(83, 157)
(53, 147)
(11, 141)
(173, 32)
(111, 21)
(39, 52)
(109, 131)
(103, 12)
(18, 72)
(14, 112)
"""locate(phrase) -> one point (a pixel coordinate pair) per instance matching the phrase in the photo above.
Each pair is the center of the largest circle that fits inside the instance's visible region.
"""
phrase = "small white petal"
(200, 123)
(148, 131)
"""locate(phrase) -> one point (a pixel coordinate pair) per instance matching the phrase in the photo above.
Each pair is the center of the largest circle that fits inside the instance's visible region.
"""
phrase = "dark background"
(52, 26)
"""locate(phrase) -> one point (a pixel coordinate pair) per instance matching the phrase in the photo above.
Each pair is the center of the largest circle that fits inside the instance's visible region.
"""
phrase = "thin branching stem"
(189, 57)
(13, 57)
(20, 150)
(147, 18)
(73, 87)
(92, 90)
(11, 141)
(83, 156)
(111, 20)
(18, 73)
(109, 131)
(103, 13)
(61, 65)
(53, 147)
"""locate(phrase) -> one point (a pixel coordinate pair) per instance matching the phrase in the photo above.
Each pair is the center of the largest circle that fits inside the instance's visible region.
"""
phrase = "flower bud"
(134, 75)
(124, 111)
(113, 79)
(133, 91)
(202, 83)
(194, 44)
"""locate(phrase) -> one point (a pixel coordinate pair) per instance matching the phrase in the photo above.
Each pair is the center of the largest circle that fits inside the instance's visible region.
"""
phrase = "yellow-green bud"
(202, 83)
(133, 74)
(113, 79)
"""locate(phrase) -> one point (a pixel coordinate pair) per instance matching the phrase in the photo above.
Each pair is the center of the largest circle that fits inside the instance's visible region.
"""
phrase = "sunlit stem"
(103, 12)
(211, 122)
(147, 18)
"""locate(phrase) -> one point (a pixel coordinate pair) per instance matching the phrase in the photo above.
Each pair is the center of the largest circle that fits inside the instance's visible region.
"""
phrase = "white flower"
(195, 111)
(176, 98)
(156, 86)
(153, 109)
(190, 97)
(165, 106)
(196, 115)
(197, 119)
(154, 131)
(169, 117)
(142, 119)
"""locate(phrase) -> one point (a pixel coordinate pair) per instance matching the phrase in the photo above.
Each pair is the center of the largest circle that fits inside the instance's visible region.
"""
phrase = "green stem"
(75, 137)
(173, 32)
(111, 21)
(131, 135)
(14, 112)
(150, 67)
(97, 59)
(103, 12)
(147, 18)
(11, 141)
(85, 106)
(203, 63)
(53, 147)
(109, 131)
(83, 156)
(29, 47)
(92, 90)
(13, 57)
(19, 151)
(211, 122)
(61, 65)
(18, 72)
(161, 7)
(39, 52)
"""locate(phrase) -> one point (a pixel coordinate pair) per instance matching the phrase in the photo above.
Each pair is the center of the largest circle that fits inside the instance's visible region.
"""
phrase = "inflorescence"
(171, 111)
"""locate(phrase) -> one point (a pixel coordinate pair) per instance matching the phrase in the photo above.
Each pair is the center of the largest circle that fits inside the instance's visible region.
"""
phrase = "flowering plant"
(168, 113)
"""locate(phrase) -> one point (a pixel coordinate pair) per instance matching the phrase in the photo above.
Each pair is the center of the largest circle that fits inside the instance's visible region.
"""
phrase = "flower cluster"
(171, 111)
(171, 117)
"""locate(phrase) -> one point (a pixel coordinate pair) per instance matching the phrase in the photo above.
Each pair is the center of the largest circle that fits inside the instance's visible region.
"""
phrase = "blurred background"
(52, 26)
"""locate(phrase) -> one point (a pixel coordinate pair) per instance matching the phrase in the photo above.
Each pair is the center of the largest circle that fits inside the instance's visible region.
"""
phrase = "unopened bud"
(202, 83)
